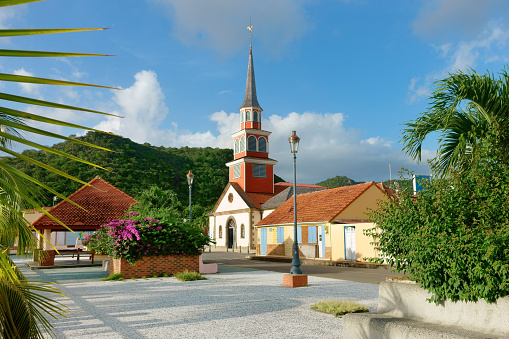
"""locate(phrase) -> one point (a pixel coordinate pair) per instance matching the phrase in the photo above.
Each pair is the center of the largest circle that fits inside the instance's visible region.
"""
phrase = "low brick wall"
(46, 258)
(154, 265)
(276, 249)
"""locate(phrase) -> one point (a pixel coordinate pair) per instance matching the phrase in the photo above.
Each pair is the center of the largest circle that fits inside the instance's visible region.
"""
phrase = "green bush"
(338, 307)
(452, 237)
(114, 277)
(189, 276)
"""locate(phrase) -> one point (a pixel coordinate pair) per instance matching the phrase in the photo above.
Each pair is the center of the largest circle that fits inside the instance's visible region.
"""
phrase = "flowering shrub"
(99, 241)
(137, 237)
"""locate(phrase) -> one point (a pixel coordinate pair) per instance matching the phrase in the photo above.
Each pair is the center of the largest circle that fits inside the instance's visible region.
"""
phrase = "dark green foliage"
(278, 179)
(134, 167)
(452, 238)
(338, 181)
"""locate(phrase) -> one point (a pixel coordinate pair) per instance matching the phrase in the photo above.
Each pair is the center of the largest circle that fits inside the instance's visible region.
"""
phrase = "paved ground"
(366, 275)
(235, 303)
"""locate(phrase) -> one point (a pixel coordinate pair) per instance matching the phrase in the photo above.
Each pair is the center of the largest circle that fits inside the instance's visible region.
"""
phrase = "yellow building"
(330, 224)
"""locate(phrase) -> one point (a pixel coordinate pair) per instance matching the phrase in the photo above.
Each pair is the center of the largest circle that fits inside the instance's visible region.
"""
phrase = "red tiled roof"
(317, 206)
(101, 202)
(288, 184)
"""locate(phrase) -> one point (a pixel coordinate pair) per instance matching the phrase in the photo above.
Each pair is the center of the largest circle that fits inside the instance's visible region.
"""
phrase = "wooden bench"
(76, 252)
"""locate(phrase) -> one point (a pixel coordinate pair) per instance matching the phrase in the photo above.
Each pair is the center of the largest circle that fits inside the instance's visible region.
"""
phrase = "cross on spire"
(250, 27)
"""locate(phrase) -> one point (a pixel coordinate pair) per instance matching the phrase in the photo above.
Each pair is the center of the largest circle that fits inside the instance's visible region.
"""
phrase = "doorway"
(350, 248)
(321, 242)
(231, 233)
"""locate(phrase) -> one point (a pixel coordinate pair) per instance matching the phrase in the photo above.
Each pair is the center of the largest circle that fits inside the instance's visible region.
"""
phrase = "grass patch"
(165, 275)
(338, 307)
(189, 276)
(114, 277)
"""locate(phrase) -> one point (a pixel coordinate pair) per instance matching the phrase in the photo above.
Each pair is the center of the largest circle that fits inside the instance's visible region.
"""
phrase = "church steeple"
(250, 99)
(252, 168)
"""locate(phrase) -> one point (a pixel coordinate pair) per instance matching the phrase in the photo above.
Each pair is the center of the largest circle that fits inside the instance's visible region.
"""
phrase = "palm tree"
(23, 309)
(465, 109)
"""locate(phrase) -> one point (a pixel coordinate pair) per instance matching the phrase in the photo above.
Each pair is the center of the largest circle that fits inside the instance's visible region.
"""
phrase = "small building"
(98, 203)
(330, 224)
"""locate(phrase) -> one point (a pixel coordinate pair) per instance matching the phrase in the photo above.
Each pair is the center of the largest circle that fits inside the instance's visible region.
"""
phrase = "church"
(251, 179)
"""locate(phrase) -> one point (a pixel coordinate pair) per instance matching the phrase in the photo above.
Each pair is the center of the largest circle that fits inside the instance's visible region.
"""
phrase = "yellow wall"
(362, 242)
(359, 208)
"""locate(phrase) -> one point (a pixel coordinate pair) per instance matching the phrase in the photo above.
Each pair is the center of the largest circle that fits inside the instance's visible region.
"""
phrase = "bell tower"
(252, 168)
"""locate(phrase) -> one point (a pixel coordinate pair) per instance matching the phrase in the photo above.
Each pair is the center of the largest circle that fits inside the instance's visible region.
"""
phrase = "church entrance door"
(231, 233)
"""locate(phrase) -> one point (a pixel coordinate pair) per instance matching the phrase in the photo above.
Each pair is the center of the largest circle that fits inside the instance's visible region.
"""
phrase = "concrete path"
(235, 303)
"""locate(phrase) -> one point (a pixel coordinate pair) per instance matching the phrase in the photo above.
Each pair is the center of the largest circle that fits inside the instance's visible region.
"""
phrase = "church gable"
(231, 200)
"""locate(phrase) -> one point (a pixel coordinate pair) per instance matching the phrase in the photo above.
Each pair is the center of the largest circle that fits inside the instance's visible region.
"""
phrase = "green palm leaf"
(21, 32)
(43, 81)
(43, 54)
(464, 107)
(24, 305)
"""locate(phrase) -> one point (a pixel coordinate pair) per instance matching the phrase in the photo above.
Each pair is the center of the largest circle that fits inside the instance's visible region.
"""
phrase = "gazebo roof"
(101, 201)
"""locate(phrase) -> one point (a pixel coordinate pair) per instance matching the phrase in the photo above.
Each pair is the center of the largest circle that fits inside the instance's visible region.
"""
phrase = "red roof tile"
(317, 206)
(288, 184)
(101, 202)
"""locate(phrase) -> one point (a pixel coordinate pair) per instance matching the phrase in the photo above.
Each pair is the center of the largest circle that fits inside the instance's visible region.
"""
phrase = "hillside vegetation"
(338, 181)
(133, 167)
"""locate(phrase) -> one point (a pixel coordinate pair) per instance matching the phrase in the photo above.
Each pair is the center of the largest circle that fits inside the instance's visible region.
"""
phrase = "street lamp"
(190, 177)
(294, 147)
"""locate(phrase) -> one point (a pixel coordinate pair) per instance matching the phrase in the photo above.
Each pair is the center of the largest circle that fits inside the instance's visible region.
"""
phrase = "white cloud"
(276, 23)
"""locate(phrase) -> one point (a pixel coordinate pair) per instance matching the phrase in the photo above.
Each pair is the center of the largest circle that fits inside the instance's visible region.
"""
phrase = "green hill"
(134, 167)
(338, 181)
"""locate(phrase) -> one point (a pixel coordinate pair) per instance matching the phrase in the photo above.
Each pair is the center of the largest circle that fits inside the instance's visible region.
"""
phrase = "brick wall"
(328, 252)
(46, 258)
(276, 249)
(154, 265)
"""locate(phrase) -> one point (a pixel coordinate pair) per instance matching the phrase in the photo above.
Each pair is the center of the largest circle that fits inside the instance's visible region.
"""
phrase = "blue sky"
(344, 74)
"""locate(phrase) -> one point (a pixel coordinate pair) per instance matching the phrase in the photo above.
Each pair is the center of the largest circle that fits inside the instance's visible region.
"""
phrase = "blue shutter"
(280, 235)
(312, 234)
(299, 234)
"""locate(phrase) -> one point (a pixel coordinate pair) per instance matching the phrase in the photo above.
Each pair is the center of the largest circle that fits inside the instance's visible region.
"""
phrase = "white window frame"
(256, 171)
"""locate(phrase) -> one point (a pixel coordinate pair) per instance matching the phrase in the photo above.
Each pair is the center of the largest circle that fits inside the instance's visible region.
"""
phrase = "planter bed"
(154, 265)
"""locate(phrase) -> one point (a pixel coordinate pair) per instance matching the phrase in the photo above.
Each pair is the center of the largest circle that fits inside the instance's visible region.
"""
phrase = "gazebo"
(100, 202)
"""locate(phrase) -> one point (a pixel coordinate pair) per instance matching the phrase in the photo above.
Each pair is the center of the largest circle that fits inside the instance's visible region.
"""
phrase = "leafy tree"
(452, 237)
(464, 108)
(23, 306)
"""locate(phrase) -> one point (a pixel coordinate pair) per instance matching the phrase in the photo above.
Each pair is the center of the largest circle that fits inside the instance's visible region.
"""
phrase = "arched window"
(255, 116)
(251, 143)
(220, 231)
(242, 146)
(248, 116)
(262, 145)
(236, 146)
(242, 231)
(241, 117)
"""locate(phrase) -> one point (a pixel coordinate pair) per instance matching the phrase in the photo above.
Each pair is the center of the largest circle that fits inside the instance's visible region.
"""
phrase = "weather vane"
(250, 27)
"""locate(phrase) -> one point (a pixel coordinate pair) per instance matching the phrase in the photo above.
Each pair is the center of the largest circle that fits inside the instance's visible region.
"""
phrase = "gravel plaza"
(234, 303)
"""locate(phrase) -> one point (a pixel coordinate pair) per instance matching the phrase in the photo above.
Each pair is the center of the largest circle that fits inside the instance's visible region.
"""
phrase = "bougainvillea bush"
(137, 236)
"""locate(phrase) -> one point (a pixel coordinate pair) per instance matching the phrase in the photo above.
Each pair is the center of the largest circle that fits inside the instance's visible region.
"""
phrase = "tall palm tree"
(465, 108)
(23, 309)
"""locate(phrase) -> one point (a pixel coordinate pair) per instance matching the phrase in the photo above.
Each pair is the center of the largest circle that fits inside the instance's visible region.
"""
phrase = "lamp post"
(294, 147)
(190, 177)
